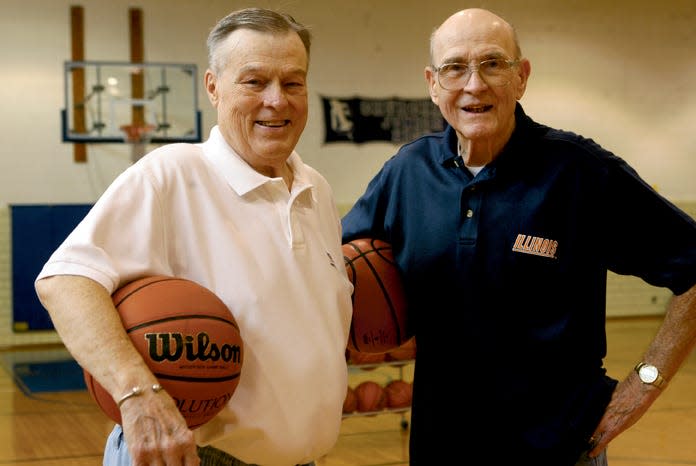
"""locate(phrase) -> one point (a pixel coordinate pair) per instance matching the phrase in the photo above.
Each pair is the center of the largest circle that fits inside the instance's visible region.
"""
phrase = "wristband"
(137, 391)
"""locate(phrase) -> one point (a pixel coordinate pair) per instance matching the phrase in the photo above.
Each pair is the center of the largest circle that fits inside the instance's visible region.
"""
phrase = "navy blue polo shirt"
(506, 280)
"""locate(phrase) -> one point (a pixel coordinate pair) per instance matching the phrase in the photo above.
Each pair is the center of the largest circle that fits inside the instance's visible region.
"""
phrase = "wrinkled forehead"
(469, 36)
(246, 47)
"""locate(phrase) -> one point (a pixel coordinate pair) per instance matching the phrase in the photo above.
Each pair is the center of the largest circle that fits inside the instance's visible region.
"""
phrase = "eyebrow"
(478, 58)
(262, 69)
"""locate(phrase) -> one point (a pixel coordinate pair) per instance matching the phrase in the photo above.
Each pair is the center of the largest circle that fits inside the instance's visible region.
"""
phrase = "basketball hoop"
(138, 136)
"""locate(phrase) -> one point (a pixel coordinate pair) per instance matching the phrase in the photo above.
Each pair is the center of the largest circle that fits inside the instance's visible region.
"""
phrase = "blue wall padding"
(37, 230)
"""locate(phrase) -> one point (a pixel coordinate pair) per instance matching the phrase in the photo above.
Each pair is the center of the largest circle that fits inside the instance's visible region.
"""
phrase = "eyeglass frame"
(476, 68)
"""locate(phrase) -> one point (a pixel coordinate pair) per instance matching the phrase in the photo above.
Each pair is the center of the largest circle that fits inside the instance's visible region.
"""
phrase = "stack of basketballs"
(369, 396)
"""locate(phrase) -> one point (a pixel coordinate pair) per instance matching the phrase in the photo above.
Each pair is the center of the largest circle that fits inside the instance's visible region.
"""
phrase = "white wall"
(620, 72)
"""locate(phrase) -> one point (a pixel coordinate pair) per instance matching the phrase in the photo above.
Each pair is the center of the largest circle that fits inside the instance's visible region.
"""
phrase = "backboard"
(101, 98)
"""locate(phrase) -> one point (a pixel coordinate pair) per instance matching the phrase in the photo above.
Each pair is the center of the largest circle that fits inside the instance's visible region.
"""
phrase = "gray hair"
(257, 19)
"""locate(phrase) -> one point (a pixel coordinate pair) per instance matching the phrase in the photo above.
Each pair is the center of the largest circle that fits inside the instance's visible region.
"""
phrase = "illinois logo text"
(536, 246)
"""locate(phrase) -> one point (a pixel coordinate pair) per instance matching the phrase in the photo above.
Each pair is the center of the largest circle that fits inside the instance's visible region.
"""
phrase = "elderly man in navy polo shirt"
(504, 230)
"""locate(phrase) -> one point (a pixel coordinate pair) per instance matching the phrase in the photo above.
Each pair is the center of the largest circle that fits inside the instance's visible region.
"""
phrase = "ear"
(432, 84)
(524, 70)
(210, 81)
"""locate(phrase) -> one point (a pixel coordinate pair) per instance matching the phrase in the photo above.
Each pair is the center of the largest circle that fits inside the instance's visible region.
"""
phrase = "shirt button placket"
(471, 200)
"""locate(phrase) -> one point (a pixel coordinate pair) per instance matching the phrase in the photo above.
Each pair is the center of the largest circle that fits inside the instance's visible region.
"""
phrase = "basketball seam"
(181, 317)
(378, 278)
(361, 253)
(130, 293)
(196, 379)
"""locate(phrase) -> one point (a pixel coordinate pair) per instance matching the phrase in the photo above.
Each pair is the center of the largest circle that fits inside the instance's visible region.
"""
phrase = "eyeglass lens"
(494, 72)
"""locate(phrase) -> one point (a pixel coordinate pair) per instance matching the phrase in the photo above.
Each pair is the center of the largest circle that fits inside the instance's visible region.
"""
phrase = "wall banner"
(359, 120)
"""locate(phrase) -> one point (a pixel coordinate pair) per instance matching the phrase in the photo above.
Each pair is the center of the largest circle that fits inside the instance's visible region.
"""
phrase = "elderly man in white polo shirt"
(242, 215)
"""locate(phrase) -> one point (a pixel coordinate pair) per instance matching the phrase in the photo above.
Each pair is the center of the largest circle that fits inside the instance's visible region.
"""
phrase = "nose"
(274, 94)
(475, 81)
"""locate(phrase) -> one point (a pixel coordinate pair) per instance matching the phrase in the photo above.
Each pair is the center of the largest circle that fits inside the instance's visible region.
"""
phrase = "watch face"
(648, 374)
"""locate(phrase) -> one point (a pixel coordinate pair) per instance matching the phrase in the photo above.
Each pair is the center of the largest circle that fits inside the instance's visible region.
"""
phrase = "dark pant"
(211, 456)
(600, 460)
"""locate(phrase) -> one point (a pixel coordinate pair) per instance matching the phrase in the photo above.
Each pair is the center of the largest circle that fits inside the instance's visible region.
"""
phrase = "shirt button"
(469, 213)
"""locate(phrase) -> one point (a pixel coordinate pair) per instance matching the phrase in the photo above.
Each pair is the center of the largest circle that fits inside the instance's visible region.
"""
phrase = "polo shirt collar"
(448, 153)
(237, 172)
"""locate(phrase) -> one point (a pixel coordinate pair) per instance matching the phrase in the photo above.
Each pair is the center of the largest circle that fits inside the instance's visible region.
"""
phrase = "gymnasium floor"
(66, 429)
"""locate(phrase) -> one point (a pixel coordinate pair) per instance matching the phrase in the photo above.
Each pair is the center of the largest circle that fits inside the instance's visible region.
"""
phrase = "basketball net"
(138, 136)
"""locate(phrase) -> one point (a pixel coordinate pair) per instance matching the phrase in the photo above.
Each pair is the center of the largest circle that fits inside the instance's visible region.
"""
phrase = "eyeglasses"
(494, 71)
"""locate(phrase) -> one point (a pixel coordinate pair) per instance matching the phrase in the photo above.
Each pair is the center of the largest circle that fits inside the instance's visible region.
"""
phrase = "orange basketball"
(371, 396)
(379, 301)
(398, 394)
(404, 352)
(357, 358)
(350, 403)
(188, 338)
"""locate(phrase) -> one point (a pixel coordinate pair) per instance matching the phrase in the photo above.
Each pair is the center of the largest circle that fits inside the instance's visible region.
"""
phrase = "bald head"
(478, 103)
(471, 27)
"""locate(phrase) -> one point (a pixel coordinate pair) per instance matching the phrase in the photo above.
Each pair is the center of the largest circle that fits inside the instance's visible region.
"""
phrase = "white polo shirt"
(272, 255)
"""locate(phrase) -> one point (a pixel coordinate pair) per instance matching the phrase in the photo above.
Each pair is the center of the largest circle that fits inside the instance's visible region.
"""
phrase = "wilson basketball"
(379, 303)
(371, 396)
(398, 394)
(188, 338)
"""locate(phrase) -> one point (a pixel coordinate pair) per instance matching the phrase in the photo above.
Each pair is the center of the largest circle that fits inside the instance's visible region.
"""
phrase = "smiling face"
(483, 115)
(261, 96)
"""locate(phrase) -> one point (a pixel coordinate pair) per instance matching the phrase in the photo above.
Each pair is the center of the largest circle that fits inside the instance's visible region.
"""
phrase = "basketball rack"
(404, 424)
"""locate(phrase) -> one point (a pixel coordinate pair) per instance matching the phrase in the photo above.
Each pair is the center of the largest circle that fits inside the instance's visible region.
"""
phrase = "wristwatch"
(649, 374)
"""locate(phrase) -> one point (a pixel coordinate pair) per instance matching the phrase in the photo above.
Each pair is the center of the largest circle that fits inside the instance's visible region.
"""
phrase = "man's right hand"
(156, 433)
